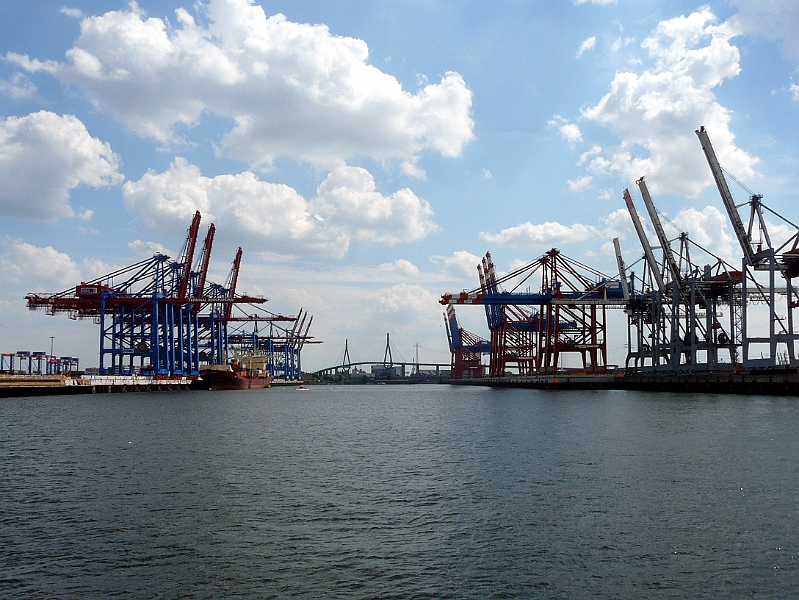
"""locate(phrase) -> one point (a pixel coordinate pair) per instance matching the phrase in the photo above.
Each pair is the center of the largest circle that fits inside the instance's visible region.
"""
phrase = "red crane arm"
(305, 335)
(205, 259)
(234, 277)
(188, 258)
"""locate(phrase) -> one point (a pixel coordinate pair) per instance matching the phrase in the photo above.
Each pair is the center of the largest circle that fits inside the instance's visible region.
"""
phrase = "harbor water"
(425, 491)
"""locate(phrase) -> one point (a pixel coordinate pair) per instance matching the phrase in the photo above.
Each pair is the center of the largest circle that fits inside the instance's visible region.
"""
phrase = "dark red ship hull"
(233, 380)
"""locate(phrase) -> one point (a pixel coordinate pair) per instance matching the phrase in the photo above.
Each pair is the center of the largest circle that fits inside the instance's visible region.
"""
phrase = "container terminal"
(164, 325)
(678, 336)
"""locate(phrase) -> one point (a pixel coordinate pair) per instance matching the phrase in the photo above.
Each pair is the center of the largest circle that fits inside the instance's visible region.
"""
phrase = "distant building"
(387, 371)
(434, 373)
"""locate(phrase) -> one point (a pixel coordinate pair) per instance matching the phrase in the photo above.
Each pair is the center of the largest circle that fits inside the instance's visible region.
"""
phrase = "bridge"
(402, 365)
(387, 362)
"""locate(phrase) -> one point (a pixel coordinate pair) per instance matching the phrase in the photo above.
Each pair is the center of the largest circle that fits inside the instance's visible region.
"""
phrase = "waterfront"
(399, 491)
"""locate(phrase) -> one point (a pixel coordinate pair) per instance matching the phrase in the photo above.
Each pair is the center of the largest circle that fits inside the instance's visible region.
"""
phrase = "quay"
(56, 385)
(772, 381)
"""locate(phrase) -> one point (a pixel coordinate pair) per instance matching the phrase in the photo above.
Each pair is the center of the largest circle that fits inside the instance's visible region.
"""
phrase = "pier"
(772, 382)
(46, 385)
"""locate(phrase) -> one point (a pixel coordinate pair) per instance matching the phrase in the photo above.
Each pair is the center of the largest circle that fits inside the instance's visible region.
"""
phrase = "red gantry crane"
(531, 331)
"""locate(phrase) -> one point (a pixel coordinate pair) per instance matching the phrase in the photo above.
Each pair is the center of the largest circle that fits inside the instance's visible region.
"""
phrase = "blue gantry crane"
(162, 317)
(466, 348)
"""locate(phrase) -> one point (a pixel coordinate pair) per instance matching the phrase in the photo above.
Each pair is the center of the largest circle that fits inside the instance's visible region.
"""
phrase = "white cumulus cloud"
(290, 89)
(400, 267)
(75, 13)
(654, 113)
(21, 261)
(460, 264)
(708, 228)
(568, 131)
(529, 235)
(591, 152)
(579, 184)
(275, 216)
(44, 155)
(144, 249)
(406, 302)
(617, 224)
(349, 202)
(18, 87)
(45, 269)
(587, 45)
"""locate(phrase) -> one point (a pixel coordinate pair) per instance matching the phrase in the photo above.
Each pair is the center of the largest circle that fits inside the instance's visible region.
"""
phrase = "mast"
(188, 257)
(205, 259)
(625, 286)
(668, 255)
(726, 197)
(639, 229)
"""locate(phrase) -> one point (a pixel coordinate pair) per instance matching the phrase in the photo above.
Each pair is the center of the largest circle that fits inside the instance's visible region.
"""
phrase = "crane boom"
(298, 324)
(234, 278)
(188, 257)
(305, 335)
(668, 255)
(625, 287)
(726, 197)
(205, 259)
(639, 229)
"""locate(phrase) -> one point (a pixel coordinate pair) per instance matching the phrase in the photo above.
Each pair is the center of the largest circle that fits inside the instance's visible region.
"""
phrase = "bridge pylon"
(347, 360)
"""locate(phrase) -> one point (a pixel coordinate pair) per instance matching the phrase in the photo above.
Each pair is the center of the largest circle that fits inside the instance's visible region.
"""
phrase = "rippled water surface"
(399, 492)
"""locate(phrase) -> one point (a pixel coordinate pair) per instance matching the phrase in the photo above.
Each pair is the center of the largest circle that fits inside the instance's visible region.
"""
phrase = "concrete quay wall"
(32, 385)
(770, 382)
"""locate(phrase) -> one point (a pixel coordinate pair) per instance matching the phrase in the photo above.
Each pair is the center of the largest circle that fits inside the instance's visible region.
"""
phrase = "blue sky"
(364, 154)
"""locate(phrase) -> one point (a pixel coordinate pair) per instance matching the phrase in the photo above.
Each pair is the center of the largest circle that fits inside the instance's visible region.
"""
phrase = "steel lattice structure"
(467, 349)
(280, 351)
(162, 318)
(532, 331)
(674, 308)
(676, 322)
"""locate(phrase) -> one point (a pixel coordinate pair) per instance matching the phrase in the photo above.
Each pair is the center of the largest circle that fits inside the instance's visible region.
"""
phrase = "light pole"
(50, 360)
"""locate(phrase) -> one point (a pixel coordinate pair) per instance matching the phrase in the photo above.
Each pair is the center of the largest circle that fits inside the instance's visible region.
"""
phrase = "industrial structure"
(467, 349)
(385, 368)
(163, 318)
(534, 328)
(24, 362)
(675, 307)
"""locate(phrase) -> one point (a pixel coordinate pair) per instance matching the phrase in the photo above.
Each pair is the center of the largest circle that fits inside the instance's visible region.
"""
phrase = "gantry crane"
(532, 331)
(466, 348)
(782, 262)
(161, 317)
(677, 325)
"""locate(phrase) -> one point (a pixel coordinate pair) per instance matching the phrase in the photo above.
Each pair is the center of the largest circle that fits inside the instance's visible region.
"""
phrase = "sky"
(365, 155)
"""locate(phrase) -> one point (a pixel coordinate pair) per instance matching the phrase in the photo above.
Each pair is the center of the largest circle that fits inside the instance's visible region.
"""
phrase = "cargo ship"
(224, 377)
